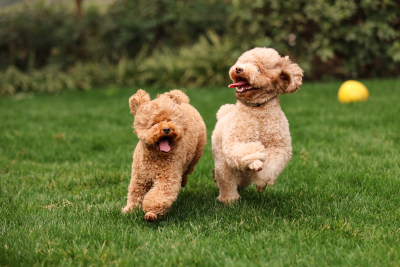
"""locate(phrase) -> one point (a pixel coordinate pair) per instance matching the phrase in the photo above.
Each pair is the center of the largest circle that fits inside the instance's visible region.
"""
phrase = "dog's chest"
(255, 126)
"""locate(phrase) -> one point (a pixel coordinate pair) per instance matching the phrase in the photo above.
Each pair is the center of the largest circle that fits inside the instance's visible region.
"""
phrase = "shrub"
(37, 34)
(191, 43)
(130, 25)
(52, 80)
(329, 38)
(204, 63)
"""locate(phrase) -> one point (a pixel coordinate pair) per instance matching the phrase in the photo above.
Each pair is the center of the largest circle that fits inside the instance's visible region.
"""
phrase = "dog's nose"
(239, 70)
(166, 130)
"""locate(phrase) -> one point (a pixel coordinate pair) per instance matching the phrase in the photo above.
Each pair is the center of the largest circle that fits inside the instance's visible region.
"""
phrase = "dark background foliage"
(190, 43)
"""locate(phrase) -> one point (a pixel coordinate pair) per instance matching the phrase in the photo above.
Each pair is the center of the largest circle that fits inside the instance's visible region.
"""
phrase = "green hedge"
(191, 43)
(339, 38)
(204, 63)
(36, 33)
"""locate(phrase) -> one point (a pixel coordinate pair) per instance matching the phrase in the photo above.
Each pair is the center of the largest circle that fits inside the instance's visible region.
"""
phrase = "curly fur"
(157, 175)
(251, 141)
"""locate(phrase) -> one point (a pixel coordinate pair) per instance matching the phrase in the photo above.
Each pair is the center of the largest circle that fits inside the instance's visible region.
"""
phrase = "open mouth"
(242, 86)
(164, 145)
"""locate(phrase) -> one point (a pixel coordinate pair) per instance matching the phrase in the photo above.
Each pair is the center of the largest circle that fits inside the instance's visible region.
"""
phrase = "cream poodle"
(251, 141)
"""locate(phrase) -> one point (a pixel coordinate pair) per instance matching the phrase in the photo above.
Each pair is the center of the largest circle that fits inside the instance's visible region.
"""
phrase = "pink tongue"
(238, 84)
(164, 146)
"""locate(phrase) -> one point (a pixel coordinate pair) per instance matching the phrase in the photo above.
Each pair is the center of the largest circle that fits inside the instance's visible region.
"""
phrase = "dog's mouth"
(164, 144)
(242, 86)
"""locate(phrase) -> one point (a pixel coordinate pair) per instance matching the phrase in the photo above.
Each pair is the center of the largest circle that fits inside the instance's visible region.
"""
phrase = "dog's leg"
(136, 191)
(245, 155)
(276, 162)
(228, 192)
(226, 181)
(196, 158)
(161, 197)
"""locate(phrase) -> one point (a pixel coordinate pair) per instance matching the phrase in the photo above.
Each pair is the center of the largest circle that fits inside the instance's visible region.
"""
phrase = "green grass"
(65, 167)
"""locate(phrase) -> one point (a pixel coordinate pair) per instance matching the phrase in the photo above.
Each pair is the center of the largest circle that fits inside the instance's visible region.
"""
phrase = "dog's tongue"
(164, 146)
(238, 84)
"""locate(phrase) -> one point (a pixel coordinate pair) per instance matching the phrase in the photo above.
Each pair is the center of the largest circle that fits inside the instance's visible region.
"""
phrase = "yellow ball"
(352, 91)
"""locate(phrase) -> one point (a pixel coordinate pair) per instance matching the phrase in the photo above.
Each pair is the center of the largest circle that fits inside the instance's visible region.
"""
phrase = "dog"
(172, 136)
(251, 141)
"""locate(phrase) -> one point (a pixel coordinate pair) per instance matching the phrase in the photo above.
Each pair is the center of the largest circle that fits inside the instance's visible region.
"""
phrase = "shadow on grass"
(194, 206)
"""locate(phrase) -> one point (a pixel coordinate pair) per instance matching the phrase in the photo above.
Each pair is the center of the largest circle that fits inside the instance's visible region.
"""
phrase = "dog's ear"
(138, 99)
(291, 76)
(177, 96)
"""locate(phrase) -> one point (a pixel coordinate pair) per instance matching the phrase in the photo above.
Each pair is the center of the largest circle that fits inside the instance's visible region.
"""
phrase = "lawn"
(65, 167)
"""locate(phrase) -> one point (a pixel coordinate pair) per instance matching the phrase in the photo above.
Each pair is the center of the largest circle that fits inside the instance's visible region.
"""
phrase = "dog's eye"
(153, 124)
(258, 69)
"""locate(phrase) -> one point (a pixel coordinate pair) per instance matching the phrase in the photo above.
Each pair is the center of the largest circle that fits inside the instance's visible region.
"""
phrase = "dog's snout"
(166, 130)
(239, 70)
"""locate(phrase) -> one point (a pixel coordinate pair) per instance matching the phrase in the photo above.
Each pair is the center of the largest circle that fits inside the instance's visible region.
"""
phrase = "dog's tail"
(178, 96)
(225, 109)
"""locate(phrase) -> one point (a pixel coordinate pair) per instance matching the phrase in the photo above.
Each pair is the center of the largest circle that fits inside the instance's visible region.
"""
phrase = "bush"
(329, 38)
(204, 63)
(191, 43)
(52, 80)
(130, 25)
(36, 33)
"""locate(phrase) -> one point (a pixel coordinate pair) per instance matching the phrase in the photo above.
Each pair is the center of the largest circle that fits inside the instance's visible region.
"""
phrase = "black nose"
(166, 130)
(239, 70)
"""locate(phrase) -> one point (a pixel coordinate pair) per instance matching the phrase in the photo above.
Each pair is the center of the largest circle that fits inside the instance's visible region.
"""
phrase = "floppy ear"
(291, 77)
(138, 99)
(177, 96)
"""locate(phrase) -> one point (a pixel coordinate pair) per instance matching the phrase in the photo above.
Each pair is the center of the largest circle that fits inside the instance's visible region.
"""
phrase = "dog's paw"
(150, 217)
(131, 207)
(228, 200)
(260, 189)
(271, 181)
(256, 165)
(127, 209)
(255, 156)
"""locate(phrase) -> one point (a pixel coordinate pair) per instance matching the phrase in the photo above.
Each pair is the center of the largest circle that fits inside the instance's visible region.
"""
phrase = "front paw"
(127, 209)
(130, 207)
(228, 200)
(255, 158)
(256, 165)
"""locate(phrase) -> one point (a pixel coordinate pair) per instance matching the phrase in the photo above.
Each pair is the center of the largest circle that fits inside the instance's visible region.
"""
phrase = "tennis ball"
(352, 91)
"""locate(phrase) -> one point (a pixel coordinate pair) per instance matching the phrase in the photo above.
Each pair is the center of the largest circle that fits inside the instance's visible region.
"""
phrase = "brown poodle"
(172, 136)
(251, 141)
